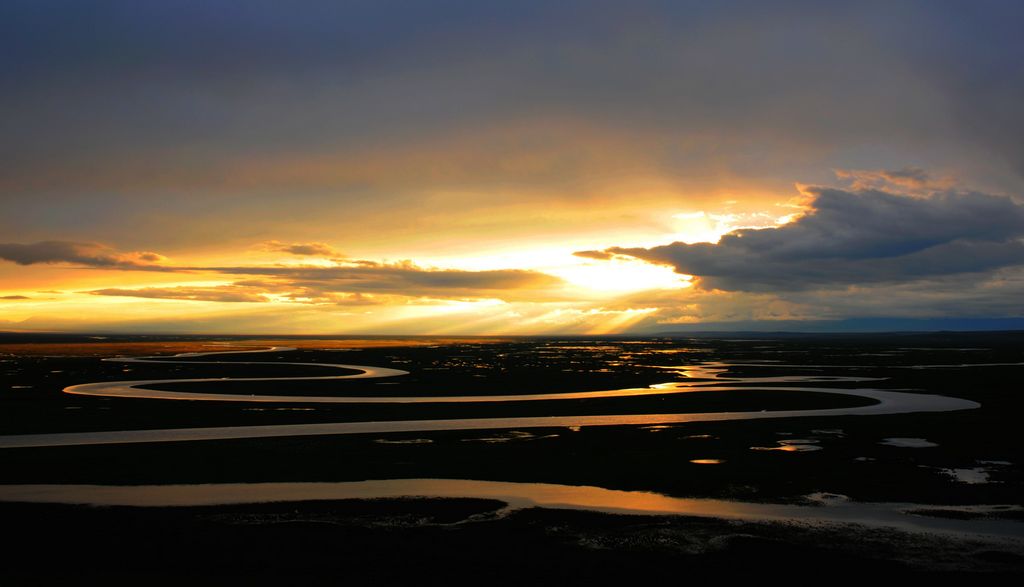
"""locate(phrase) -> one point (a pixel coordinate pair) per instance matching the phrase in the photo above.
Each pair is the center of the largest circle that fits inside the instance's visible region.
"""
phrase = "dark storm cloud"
(87, 254)
(850, 238)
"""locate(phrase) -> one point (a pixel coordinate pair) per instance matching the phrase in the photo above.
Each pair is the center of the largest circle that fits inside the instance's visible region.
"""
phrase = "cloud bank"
(856, 238)
(352, 282)
(265, 120)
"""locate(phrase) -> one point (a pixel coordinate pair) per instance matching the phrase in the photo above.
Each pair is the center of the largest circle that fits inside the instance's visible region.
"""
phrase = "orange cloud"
(198, 294)
(307, 249)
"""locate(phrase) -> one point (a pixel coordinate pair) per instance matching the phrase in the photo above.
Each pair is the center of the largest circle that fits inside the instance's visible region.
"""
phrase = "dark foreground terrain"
(931, 460)
(456, 541)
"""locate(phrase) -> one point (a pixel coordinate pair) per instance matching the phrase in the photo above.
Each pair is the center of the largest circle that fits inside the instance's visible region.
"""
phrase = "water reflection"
(823, 508)
(908, 442)
(792, 445)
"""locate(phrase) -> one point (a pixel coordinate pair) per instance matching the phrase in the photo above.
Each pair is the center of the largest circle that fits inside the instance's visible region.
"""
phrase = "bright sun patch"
(707, 227)
(619, 276)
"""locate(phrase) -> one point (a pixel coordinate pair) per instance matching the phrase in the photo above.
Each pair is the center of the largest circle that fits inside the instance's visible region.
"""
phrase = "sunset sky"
(435, 167)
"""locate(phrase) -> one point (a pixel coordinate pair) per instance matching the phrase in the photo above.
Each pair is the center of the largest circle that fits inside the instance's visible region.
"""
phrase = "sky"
(480, 167)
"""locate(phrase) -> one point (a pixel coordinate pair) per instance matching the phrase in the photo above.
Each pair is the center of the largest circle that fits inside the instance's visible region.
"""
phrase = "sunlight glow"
(708, 227)
(619, 276)
(594, 296)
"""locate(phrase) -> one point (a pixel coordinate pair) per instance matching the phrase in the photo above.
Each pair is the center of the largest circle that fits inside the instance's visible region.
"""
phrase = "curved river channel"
(886, 402)
(708, 376)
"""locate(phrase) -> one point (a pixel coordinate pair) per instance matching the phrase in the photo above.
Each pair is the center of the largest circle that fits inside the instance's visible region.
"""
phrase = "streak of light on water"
(823, 508)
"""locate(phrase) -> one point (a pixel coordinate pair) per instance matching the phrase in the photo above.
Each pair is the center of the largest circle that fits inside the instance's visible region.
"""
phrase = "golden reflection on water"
(792, 445)
(517, 496)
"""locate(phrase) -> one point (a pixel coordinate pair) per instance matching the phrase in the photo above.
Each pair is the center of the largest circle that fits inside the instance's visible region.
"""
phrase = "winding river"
(886, 402)
(706, 376)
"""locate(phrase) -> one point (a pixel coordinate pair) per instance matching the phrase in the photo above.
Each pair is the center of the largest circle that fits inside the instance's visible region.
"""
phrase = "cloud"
(15, 298)
(77, 253)
(857, 237)
(909, 175)
(351, 283)
(912, 180)
(265, 292)
(309, 249)
(421, 127)
(197, 294)
(354, 283)
(344, 283)
(403, 278)
(599, 255)
(919, 76)
(994, 295)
